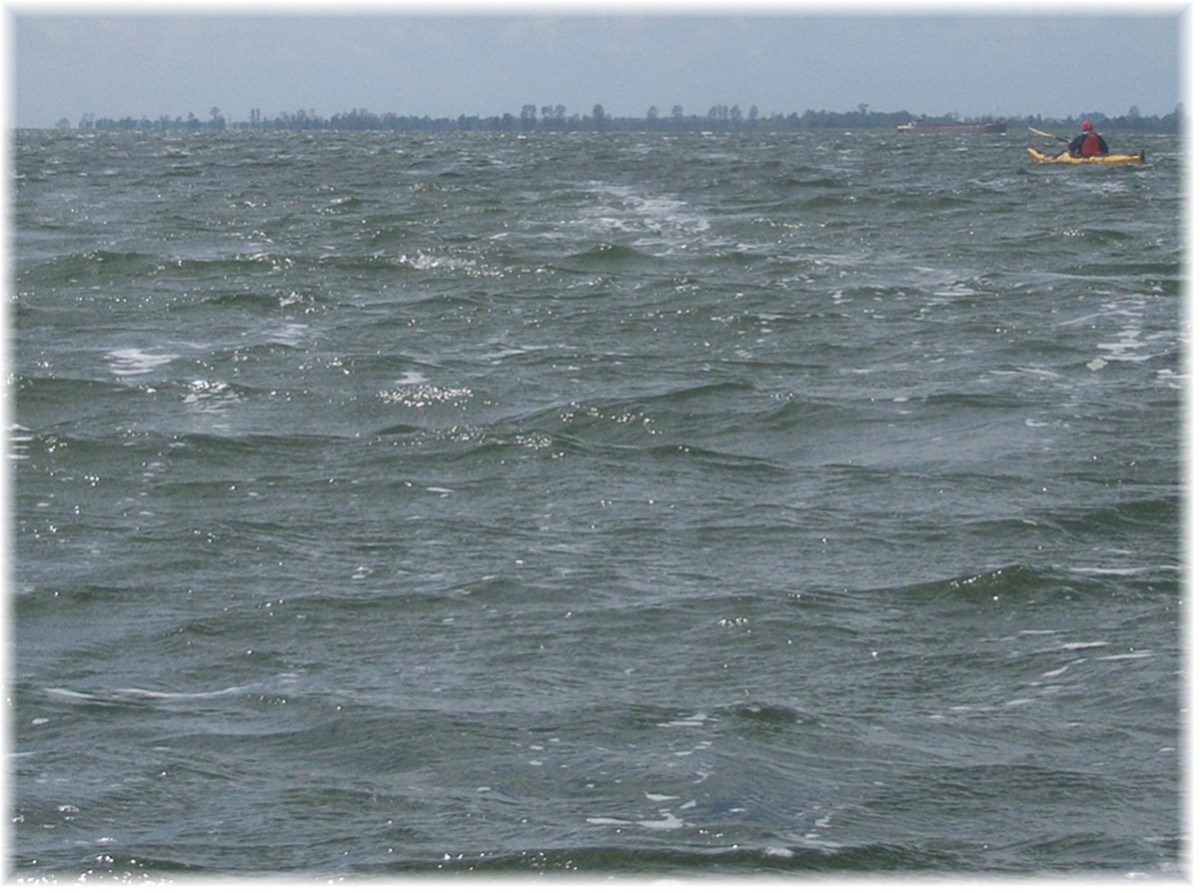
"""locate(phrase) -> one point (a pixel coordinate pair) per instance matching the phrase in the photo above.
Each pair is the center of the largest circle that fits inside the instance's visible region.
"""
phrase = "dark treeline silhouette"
(722, 118)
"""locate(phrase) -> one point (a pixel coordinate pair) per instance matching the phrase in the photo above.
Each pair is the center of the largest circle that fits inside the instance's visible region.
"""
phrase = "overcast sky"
(788, 57)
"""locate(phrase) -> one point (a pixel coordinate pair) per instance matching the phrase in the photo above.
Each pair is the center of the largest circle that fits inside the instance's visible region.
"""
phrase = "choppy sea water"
(683, 505)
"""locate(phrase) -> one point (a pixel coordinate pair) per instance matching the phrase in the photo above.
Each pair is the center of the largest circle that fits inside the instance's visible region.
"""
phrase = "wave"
(1122, 516)
(222, 270)
(142, 696)
(593, 510)
(262, 301)
(94, 264)
(1026, 584)
(642, 859)
(813, 181)
(605, 256)
(38, 391)
(932, 861)
(674, 415)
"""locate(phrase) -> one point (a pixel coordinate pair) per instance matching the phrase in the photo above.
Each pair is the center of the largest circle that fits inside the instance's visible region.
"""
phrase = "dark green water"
(695, 505)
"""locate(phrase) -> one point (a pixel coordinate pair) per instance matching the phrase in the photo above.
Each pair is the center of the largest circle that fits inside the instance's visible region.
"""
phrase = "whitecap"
(1168, 378)
(1079, 646)
(661, 221)
(668, 822)
(128, 361)
(426, 262)
(152, 695)
(1052, 674)
(419, 396)
(210, 396)
(18, 442)
(290, 334)
(140, 694)
(69, 696)
(697, 719)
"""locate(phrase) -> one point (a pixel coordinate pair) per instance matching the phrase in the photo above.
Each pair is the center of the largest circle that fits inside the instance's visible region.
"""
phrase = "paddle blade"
(1061, 139)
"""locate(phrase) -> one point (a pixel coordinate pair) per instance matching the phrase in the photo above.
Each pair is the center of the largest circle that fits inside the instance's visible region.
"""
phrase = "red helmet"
(1086, 125)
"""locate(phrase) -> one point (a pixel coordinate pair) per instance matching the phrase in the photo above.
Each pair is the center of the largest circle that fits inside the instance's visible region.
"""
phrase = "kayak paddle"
(1061, 139)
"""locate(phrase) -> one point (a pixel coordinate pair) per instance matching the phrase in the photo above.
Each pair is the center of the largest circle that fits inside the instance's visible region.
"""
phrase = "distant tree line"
(727, 118)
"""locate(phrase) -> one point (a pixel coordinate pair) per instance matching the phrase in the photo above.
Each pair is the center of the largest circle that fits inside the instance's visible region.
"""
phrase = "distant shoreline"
(554, 119)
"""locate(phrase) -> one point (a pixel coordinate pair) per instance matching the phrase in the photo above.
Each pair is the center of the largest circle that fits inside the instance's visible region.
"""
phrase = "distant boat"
(943, 126)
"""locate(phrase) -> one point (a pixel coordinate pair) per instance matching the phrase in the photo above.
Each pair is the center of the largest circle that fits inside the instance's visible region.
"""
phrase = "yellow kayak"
(1064, 158)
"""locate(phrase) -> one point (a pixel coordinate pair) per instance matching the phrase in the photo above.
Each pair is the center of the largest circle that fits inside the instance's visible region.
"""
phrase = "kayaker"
(1088, 142)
